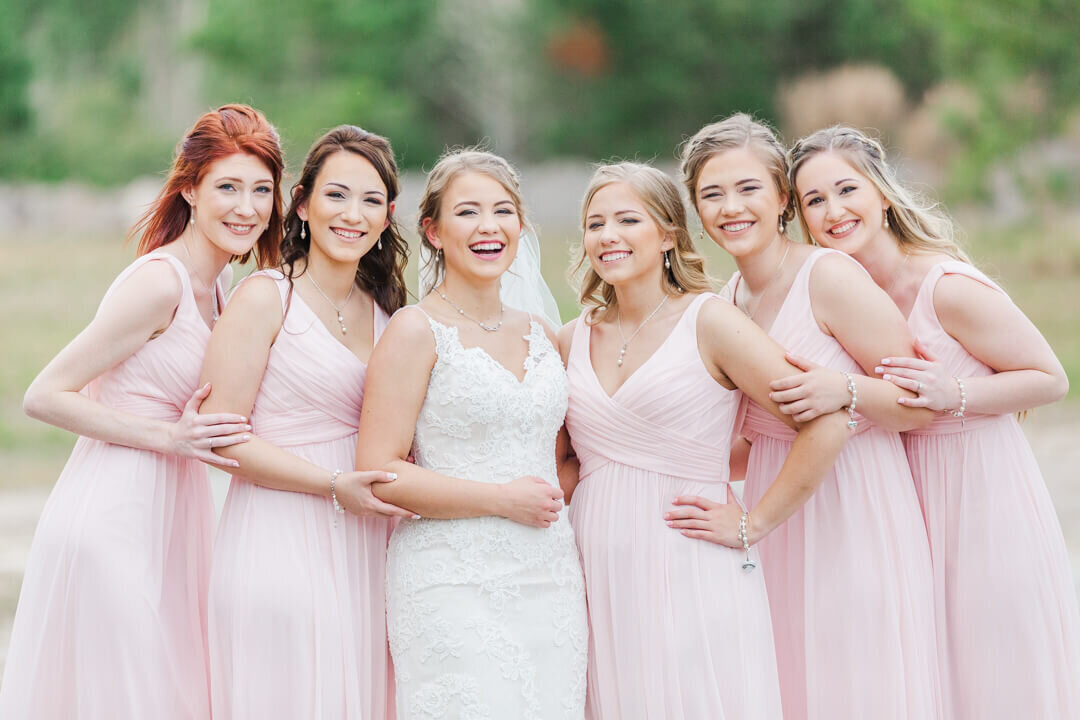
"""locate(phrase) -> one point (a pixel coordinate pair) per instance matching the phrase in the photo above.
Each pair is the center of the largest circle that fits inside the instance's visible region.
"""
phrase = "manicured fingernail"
(886, 377)
(667, 516)
(247, 437)
(235, 464)
(670, 523)
(243, 419)
(247, 427)
(415, 517)
(886, 361)
(771, 396)
(879, 369)
(393, 476)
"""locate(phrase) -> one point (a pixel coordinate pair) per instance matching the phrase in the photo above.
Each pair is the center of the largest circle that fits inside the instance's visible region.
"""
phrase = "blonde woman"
(485, 596)
(1009, 629)
(849, 575)
(679, 615)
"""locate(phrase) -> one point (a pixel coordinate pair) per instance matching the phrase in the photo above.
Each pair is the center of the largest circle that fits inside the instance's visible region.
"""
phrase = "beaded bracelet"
(333, 495)
(744, 537)
(851, 423)
(963, 402)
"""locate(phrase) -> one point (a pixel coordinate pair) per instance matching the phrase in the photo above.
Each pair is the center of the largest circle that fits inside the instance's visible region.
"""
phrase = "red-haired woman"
(112, 617)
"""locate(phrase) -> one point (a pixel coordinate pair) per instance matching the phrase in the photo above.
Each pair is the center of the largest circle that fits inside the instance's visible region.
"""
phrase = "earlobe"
(431, 233)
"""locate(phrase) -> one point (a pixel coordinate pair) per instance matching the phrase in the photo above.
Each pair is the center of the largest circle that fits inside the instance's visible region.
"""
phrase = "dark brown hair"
(382, 271)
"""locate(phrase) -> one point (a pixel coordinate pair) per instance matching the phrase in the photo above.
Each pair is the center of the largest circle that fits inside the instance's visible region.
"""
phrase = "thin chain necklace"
(340, 319)
(896, 277)
(462, 313)
(213, 292)
(776, 274)
(626, 340)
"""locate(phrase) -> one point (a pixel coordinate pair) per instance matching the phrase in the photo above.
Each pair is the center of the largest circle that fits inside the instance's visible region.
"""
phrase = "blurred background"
(978, 102)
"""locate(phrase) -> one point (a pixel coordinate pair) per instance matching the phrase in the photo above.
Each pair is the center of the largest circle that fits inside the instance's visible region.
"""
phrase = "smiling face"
(622, 240)
(738, 201)
(346, 210)
(842, 208)
(233, 202)
(478, 226)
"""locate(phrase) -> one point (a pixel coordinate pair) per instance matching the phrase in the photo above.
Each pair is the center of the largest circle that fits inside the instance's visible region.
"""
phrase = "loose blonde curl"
(660, 195)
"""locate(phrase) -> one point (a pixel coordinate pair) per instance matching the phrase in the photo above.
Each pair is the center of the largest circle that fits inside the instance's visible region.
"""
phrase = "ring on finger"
(212, 442)
(918, 387)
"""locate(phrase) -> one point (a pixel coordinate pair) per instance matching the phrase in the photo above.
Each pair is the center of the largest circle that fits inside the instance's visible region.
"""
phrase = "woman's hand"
(353, 490)
(924, 376)
(704, 519)
(813, 392)
(195, 436)
(529, 500)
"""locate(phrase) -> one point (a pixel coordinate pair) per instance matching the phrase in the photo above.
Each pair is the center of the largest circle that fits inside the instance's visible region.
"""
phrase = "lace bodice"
(480, 423)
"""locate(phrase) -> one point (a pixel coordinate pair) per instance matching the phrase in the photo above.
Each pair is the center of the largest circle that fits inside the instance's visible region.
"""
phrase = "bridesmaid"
(296, 592)
(112, 617)
(1006, 606)
(849, 575)
(679, 630)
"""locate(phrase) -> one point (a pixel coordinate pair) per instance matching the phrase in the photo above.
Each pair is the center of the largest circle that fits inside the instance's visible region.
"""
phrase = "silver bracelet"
(744, 538)
(333, 495)
(851, 423)
(963, 402)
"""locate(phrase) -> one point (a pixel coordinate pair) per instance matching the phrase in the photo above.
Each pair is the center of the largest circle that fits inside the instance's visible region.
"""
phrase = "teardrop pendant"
(341, 322)
(622, 352)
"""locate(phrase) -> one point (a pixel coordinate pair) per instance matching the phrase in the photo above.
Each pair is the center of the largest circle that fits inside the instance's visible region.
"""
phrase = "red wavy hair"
(226, 131)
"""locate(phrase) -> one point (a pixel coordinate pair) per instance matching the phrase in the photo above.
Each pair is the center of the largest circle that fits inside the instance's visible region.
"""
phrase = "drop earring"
(667, 261)
(379, 244)
(885, 218)
(780, 225)
(303, 230)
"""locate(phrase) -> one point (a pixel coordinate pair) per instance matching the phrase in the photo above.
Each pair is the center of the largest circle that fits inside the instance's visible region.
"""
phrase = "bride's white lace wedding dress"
(486, 617)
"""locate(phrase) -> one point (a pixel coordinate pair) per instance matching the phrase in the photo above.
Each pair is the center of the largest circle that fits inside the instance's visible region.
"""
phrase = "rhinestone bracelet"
(744, 538)
(851, 423)
(963, 402)
(333, 495)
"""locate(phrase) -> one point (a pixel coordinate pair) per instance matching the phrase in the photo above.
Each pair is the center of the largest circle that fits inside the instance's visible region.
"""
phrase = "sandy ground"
(1054, 434)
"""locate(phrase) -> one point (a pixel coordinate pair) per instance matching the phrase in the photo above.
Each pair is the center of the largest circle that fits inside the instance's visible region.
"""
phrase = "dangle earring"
(667, 261)
(303, 230)
(885, 218)
(701, 235)
(780, 225)
(379, 244)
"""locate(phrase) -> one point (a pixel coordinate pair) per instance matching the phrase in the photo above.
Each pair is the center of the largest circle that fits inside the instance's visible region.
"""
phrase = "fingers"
(799, 362)
(208, 457)
(209, 431)
(902, 362)
(787, 396)
(388, 510)
(789, 382)
(700, 535)
(211, 419)
(686, 512)
(793, 408)
(701, 502)
(380, 476)
(220, 441)
(901, 372)
(923, 351)
(921, 401)
(805, 416)
(908, 383)
(193, 403)
(689, 524)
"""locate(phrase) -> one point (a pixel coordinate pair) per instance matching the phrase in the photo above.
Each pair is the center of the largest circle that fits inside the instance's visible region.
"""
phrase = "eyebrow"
(617, 213)
(835, 184)
(240, 180)
(477, 204)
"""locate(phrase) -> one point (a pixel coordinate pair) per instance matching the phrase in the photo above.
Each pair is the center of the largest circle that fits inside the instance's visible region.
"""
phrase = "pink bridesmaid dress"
(297, 615)
(111, 620)
(678, 629)
(1007, 613)
(849, 574)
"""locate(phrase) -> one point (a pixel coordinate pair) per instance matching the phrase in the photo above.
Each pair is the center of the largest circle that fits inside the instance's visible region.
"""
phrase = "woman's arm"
(235, 363)
(141, 307)
(738, 350)
(568, 463)
(993, 329)
(397, 379)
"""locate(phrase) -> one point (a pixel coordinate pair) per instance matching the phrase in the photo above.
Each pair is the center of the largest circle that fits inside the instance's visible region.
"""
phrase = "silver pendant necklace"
(462, 313)
(340, 319)
(776, 274)
(626, 340)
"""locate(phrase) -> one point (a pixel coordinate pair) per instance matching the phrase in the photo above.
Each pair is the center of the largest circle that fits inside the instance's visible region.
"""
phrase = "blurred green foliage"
(591, 78)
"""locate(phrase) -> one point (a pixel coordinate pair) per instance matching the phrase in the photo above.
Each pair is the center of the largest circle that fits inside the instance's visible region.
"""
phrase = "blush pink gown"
(111, 620)
(1006, 606)
(849, 574)
(678, 630)
(297, 615)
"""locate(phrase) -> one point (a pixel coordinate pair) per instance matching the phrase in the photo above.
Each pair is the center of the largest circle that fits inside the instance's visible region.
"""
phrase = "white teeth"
(613, 256)
(239, 228)
(841, 229)
(737, 227)
(350, 234)
(486, 246)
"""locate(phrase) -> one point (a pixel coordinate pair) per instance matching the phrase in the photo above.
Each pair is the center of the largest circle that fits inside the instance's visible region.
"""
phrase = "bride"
(485, 594)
